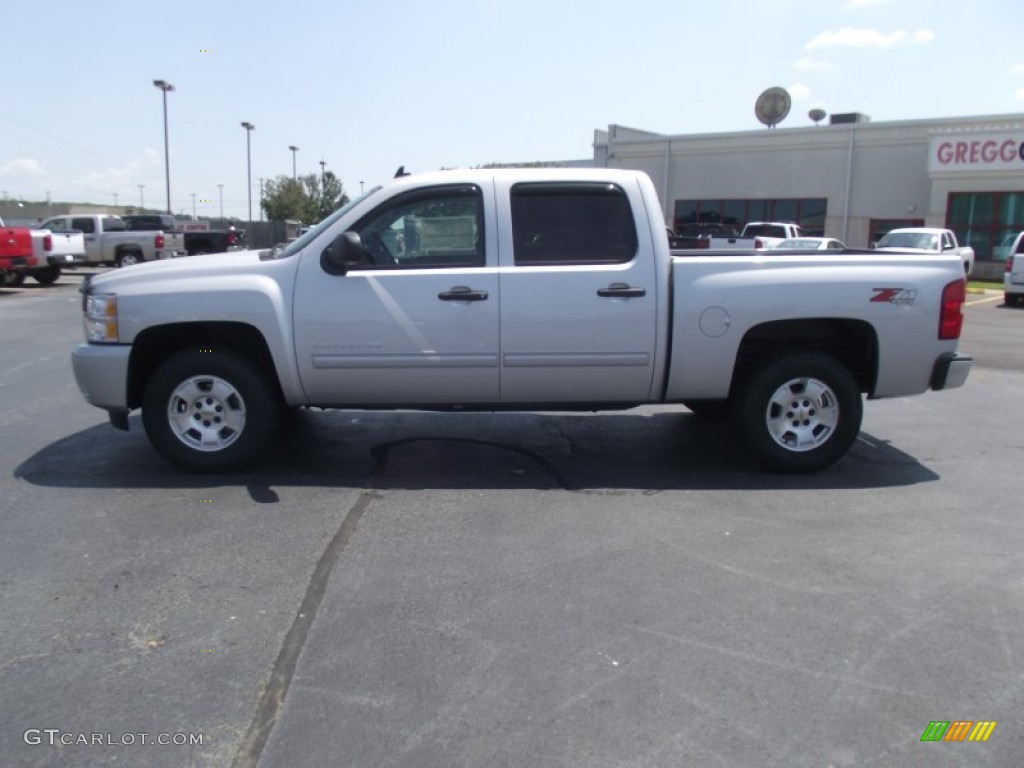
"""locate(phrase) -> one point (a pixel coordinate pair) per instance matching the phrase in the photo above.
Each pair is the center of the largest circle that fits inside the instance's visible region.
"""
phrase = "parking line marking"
(985, 301)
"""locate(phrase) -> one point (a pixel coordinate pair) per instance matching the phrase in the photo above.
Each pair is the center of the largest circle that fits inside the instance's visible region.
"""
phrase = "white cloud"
(856, 37)
(1017, 69)
(799, 92)
(21, 167)
(1019, 95)
(807, 64)
(923, 36)
(853, 4)
(124, 175)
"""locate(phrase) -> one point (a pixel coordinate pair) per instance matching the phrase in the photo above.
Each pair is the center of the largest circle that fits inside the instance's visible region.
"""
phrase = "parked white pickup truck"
(758, 235)
(926, 240)
(1013, 280)
(108, 242)
(526, 289)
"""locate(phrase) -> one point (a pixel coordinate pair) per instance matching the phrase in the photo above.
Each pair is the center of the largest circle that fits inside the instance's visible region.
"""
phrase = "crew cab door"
(416, 322)
(579, 293)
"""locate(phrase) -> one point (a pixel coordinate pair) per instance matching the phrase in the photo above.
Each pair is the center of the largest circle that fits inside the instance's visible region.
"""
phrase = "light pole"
(193, 205)
(248, 161)
(142, 197)
(164, 86)
(360, 187)
(115, 198)
(220, 187)
(294, 149)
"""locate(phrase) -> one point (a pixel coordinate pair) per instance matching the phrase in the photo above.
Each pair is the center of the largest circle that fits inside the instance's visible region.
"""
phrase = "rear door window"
(572, 223)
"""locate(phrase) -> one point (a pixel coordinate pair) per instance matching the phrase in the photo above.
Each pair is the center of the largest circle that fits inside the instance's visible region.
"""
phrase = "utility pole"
(142, 197)
(164, 86)
(220, 187)
(248, 161)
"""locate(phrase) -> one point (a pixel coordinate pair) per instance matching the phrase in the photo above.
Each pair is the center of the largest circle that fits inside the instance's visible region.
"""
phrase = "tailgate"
(15, 241)
(1016, 273)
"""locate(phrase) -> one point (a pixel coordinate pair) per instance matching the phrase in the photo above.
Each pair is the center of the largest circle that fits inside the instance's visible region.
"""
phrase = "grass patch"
(978, 286)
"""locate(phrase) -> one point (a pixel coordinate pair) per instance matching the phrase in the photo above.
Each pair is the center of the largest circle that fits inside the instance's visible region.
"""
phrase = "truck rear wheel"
(210, 411)
(128, 258)
(800, 413)
(46, 275)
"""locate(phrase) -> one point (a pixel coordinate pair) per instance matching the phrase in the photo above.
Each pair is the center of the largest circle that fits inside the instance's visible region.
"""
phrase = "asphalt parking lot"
(407, 589)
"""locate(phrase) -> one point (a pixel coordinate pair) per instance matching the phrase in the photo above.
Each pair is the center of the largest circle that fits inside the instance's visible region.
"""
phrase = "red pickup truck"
(16, 255)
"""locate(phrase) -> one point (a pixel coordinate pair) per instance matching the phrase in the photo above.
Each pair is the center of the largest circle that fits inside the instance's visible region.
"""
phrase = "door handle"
(621, 291)
(462, 293)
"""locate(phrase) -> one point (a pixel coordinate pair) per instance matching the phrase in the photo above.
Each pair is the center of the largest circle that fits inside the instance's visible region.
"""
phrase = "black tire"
(46, 275)
(1010, 299)
(219, 398)
(128, 258)
(800, 413)
(710, 409)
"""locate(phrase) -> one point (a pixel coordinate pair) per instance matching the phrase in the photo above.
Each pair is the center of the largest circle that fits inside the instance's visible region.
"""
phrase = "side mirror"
(344, 252)
(873, 244)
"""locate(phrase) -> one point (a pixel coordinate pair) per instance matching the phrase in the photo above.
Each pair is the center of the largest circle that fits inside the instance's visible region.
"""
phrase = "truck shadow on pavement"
(623, 452)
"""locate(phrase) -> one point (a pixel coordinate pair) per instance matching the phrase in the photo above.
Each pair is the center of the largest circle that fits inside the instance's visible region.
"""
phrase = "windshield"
(920, 240)
(297, 245)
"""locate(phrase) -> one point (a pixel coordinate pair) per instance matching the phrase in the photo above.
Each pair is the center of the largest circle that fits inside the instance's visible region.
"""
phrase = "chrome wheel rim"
(206, 413)
(802, 414)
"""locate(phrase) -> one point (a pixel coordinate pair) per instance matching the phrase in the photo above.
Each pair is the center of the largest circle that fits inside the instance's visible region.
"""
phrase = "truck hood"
(172, 270)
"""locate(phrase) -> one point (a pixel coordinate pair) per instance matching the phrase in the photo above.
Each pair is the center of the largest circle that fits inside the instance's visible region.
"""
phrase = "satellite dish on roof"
(817, 115)
(772, 106)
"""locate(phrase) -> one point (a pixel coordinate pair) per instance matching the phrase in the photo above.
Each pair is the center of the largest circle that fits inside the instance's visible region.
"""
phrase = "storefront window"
(986, 221)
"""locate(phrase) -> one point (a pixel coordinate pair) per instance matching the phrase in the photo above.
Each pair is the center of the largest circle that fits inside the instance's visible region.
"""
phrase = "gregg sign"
(976, 152)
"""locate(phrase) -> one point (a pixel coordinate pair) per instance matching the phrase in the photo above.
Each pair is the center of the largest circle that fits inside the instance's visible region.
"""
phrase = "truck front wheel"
(210, 411)
(800, 413)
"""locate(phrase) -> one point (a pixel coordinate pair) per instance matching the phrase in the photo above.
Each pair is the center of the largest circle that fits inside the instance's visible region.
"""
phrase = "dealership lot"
(413, 589)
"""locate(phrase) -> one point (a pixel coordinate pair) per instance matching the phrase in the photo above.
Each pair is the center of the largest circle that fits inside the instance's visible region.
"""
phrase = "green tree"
(306, 199)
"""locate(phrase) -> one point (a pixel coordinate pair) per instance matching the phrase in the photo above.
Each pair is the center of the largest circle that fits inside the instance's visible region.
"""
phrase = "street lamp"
(248, 161)
(220, 187)
(142, 197)
(164, 86)
(294, 149)
(193, 205)
(115, 198)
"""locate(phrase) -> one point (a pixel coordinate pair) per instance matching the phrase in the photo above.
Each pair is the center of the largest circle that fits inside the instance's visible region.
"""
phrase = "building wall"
(866, 171)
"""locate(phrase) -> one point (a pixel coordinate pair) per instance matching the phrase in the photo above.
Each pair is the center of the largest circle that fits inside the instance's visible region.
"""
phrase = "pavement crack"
(272, 697)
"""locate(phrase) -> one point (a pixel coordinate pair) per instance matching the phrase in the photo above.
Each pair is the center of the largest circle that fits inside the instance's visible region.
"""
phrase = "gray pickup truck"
(525, 289)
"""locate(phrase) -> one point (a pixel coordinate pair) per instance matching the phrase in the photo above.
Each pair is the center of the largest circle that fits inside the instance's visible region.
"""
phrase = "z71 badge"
(904, 296)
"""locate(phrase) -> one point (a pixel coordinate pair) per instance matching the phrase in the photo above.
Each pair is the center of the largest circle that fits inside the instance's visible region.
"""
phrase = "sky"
(369, 86)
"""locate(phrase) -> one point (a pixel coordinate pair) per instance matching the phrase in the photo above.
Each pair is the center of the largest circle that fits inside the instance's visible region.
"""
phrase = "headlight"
(101, 317)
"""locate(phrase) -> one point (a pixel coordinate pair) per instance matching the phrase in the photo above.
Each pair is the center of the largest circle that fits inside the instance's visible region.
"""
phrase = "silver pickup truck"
(523, 289)
(107, 240)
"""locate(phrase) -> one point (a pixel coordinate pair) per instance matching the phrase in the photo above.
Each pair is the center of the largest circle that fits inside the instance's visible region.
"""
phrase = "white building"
(848, 178)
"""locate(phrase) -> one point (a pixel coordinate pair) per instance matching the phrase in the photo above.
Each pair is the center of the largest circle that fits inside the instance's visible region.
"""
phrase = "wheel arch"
(854, 343)
(154, 345)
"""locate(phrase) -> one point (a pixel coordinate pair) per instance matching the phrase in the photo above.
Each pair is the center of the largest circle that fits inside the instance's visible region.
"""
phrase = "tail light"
(158, 241)
(48, 243)
(951, 318)
(758, 243)
(231, 238)
(1009, 264)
